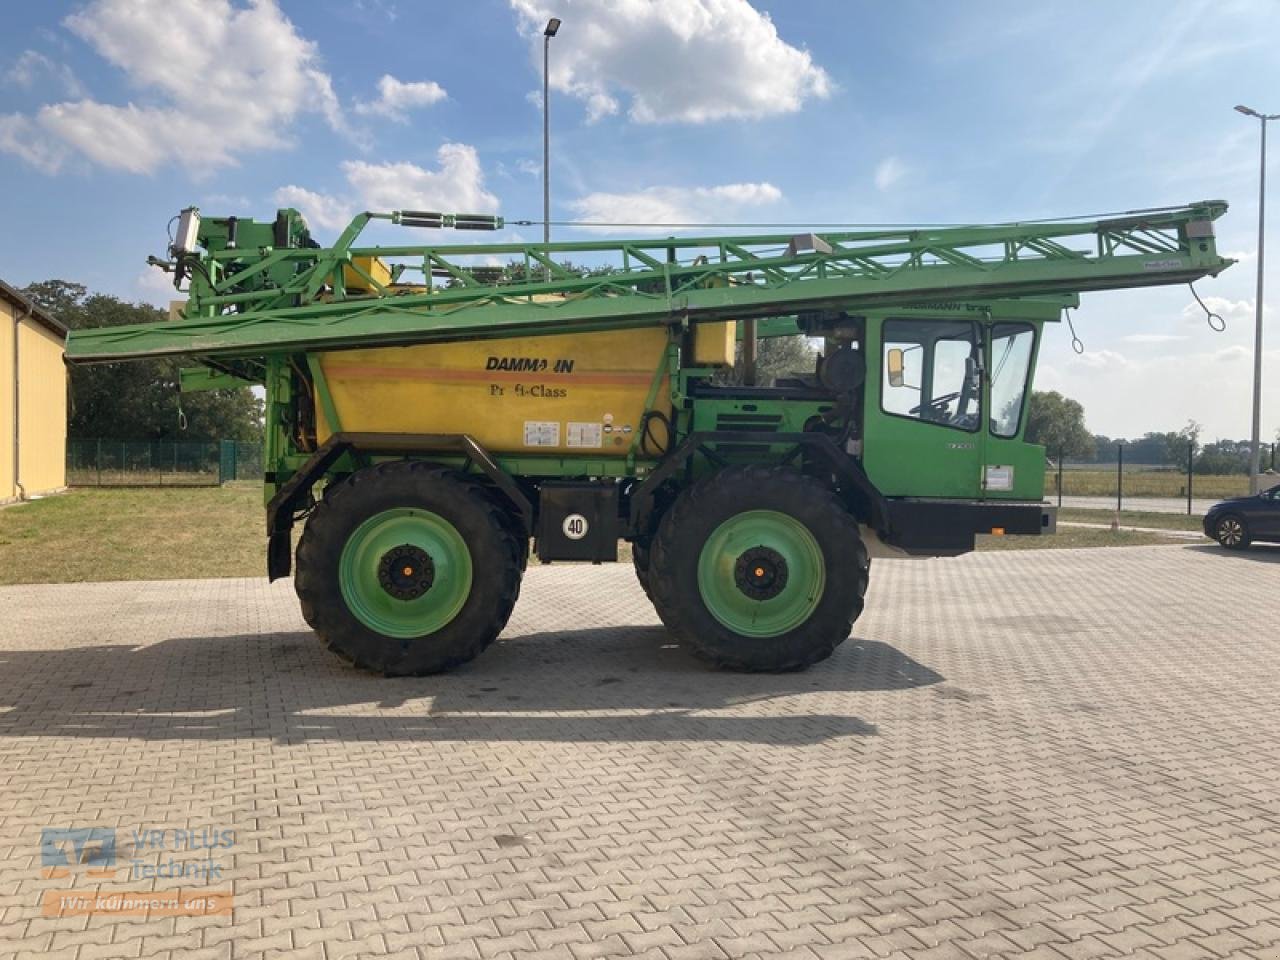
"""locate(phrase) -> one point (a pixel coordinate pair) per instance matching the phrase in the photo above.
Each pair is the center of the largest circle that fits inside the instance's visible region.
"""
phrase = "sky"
(115, 114)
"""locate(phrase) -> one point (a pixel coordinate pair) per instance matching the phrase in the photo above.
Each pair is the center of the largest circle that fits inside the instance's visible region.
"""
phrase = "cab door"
(1011, 468)
(922, 426)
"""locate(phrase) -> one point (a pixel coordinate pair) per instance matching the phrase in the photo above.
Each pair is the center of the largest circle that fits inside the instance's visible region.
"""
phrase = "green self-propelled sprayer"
(431, 409)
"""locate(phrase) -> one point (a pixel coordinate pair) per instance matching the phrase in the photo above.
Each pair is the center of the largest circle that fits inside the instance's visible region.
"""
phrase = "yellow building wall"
(42, 409)
(7, 489)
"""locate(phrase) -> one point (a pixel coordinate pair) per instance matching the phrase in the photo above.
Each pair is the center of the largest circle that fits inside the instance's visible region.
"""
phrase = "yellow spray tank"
(566, 393)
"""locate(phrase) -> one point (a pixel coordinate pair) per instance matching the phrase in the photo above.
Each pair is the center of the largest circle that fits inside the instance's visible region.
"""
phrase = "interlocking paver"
(1051, 755)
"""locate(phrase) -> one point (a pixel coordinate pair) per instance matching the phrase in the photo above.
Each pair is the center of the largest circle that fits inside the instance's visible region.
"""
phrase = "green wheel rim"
(377, 609)
(729, 604)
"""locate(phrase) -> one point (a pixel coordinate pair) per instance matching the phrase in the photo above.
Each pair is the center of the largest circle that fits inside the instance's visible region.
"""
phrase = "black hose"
(645, 434)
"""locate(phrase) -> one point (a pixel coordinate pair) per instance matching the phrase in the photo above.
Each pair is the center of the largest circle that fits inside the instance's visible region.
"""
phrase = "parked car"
(1238, 522)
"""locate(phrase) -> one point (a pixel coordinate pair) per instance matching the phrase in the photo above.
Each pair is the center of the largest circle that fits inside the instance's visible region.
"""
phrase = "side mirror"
(897, 365)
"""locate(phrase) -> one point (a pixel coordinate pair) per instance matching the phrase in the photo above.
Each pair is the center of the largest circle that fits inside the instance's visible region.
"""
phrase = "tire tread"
(677, 602)
(320, 600)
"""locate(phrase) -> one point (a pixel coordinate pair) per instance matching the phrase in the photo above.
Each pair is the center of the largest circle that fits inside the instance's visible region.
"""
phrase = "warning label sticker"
(541, 433)
(584, 434)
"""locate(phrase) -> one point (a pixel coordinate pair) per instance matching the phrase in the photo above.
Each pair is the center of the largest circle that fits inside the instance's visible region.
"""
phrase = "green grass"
(1144, 483)
(1075, 537)
(135, 534)
(1133, 518)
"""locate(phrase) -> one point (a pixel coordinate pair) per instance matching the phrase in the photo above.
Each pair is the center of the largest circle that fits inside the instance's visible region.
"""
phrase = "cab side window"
(929, 372)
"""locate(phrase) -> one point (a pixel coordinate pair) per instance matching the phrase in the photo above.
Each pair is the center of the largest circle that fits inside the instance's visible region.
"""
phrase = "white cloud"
(396, 98)
(1235, 354)
(156, 287)
(32, 68)
(1140, 382)
(217, 81)
(888, 172)
(670, 205)
(225, 202)
(693, 61)
(1100, 360)
(1233, 312)
(21, 137)
(525, 165)
(376, 10)
(456, 186)
(1153, 337)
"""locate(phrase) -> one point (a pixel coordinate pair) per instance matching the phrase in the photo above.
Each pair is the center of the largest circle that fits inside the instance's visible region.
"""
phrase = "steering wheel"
(936, 404)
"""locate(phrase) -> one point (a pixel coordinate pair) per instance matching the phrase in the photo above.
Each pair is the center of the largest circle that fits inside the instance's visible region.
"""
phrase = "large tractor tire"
(513, 524)
(640, 560)
(759, 569)
(408, 569)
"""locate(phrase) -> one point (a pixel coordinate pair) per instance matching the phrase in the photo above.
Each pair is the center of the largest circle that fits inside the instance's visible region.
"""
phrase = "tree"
(775, 357)
(1224, 457)
(139, 400)
(1057, 423)
(1183, 443)
(1169, 447)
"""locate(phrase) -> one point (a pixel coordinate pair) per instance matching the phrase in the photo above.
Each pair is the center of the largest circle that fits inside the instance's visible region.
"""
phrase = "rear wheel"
(759, 568)
(1232, 532)
(640, 560)
(407, 569)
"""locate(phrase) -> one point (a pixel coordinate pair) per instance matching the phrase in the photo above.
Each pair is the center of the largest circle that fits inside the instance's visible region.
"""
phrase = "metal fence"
(1116, 484)
(161, 463)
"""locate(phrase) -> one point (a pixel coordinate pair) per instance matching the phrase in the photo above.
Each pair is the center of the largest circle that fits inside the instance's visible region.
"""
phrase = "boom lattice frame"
(233, 312)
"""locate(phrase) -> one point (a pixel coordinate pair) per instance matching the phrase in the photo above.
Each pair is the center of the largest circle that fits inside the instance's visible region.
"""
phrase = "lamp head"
(552, 26)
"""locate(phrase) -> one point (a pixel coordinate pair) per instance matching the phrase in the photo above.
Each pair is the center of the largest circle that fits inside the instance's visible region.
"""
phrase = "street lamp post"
(553, 25)
(1255, 451)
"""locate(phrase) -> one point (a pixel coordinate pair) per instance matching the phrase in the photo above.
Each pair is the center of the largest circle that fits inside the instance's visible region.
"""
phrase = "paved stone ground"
(1057, 754)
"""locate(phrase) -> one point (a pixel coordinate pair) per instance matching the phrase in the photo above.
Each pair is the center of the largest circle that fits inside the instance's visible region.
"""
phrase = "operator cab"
(932, 400)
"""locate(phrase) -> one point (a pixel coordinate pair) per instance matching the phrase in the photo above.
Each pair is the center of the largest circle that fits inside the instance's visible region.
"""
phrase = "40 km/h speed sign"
(575, 526)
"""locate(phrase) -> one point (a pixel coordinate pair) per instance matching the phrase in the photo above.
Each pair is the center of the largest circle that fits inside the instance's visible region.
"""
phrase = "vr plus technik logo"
(191, 857)
(65, 848)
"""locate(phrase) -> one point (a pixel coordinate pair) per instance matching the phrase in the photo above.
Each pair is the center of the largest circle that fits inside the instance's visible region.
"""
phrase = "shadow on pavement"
(1258, 552)
(608, 684)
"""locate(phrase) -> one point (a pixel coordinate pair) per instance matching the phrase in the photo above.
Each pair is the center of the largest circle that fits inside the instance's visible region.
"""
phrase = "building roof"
(37, 312)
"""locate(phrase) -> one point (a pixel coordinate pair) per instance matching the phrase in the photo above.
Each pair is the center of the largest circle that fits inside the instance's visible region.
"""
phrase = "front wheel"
(1232, 532)
(760, 569)
(407, 569)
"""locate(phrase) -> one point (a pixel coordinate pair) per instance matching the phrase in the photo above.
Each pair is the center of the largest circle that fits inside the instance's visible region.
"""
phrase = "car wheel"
(1232, 532)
